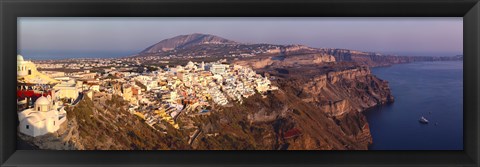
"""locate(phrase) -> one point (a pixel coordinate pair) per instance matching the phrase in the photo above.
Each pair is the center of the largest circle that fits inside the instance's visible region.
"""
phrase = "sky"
(385, 35)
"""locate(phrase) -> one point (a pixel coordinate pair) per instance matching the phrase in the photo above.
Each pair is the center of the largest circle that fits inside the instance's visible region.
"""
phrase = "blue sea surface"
(428, 53)
(57, 55)
(430, 89)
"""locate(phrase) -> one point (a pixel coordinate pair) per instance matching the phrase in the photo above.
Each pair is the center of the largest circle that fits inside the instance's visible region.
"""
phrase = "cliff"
(306, 59)
(339, 92)
(287, 61)
(342, 94)
(372, 59)
(279, 121)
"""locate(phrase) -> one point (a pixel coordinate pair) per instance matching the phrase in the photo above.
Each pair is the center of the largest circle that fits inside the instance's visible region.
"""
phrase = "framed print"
(239, 83)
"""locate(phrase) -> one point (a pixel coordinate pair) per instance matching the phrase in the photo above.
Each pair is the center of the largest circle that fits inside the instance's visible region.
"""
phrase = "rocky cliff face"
(340, 92)
(342, 95)
(372, 59)
(296, 48)
(279, 121)
(256, 63)
(307, 59)
(287, 61)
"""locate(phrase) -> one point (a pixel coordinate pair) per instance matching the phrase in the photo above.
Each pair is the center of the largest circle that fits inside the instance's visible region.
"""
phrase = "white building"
(69, 90)
(219, 68)
(42, 119)
(27, 73)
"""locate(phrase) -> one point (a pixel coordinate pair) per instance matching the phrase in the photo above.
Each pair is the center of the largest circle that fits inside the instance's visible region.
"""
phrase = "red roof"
(292, 133)
(30, 93)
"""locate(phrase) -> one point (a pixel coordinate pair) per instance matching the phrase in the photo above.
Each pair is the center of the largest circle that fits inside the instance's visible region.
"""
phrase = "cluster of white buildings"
(41, 96)
(222, 83)
(155, 96)
(39, 106)
(195, 82)
(192, 88)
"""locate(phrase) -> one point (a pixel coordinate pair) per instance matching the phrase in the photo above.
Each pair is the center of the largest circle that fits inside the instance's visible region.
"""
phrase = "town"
(157, 95)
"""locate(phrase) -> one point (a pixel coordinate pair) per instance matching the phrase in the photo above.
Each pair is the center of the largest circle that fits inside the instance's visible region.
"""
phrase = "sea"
(58, 55)
(430, 89)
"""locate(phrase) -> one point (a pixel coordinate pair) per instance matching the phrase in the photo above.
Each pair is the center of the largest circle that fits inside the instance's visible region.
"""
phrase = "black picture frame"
(11, 9)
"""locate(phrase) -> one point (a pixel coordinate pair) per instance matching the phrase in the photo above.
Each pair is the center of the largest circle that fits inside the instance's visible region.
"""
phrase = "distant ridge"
(184, 41)
(210, 46)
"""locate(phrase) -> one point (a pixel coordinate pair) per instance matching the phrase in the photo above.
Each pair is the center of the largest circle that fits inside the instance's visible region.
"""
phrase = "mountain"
(185, 41)
(211, 48)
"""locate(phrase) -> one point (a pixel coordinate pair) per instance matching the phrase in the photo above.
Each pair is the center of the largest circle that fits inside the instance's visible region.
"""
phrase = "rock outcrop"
(256, 63)
(296, 48)
(279, 121)
(287, 61)
(345, 91)
(373, 59)
(342, 96)
(307, 59)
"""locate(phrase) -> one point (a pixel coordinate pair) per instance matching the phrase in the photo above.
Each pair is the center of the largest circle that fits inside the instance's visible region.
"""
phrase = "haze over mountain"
(184, 41)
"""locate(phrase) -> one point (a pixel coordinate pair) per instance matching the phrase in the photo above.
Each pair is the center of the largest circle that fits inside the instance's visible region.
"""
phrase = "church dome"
(20, 58)
(42, 101)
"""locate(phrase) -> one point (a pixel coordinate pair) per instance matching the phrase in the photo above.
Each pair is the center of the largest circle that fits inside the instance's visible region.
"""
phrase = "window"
(29, 72)
(53, 122)
(28, 126)
(38, 108)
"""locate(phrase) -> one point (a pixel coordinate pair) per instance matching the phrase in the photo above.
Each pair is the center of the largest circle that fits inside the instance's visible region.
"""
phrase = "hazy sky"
(135, 34)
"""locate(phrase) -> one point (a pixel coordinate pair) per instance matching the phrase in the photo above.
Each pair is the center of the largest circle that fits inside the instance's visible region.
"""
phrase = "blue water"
(430, 89)
(432, 54)
(56, 55)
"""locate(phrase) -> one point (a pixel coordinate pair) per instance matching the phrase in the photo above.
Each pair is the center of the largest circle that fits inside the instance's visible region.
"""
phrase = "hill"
(211, 48)
(185, 41)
